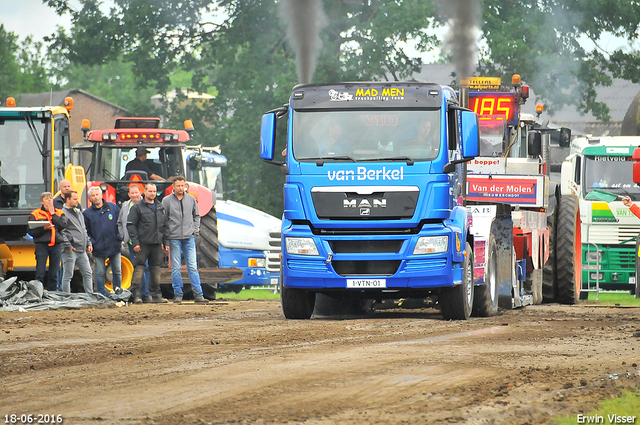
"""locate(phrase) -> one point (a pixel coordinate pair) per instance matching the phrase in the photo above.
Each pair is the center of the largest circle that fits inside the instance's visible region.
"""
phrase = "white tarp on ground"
(20, 295)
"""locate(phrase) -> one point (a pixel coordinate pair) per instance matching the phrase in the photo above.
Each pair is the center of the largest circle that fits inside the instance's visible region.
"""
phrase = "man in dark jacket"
(48, 239)
(60, 200)
(149, 232)
(101, 219)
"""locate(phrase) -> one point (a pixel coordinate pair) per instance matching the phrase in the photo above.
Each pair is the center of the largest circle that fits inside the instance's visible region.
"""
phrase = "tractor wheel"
(127, 274)
(569, 250)
(550, 270)
(456, 302)
(485, 297)
(207, 249)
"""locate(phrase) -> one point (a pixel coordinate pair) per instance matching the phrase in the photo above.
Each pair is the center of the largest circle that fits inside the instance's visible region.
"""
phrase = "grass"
(246, 294)
(623, 299)
(626, 405)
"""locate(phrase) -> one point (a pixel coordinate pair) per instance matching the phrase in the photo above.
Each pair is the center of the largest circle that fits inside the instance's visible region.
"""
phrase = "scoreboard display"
(495, 104)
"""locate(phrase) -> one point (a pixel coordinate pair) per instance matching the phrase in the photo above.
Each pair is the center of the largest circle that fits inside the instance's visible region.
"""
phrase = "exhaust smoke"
(305, 19)
(461, 41)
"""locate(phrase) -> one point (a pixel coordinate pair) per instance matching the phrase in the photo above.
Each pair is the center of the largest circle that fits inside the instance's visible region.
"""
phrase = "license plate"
(366, 283)
(632, 279)
(274, 280)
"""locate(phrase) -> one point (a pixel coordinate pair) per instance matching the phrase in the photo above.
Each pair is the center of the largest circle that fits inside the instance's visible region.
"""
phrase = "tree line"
(238, 51)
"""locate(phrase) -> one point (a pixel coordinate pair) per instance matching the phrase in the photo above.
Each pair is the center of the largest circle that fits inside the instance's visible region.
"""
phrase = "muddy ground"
(242, 362)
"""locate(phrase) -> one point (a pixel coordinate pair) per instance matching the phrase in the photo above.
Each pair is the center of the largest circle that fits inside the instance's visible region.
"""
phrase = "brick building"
(100, 112)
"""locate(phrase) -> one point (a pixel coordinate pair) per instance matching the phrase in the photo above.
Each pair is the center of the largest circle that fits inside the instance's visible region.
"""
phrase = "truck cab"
(374, 200)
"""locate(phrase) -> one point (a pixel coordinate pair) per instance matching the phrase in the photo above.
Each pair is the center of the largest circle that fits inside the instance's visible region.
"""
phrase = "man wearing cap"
(138, 164)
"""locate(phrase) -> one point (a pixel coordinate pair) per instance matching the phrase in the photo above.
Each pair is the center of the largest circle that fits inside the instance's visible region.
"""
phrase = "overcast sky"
(30, 17)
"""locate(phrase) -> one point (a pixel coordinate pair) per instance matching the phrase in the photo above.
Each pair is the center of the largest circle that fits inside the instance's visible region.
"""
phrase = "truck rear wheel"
(456, 302)
(569, 250)
(296, 303)
(485, 297)
(550, 270)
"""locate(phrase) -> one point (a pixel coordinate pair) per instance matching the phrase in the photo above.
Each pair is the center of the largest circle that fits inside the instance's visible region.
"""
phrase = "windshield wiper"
(410, 161)
(321, 159)
(36, 136)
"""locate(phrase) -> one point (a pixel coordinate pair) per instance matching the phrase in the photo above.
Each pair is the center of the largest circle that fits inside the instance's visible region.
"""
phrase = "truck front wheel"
(456, 302)
(296, 303)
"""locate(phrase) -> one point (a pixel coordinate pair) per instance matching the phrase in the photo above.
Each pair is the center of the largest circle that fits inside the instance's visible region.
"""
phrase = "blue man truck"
(375, 199)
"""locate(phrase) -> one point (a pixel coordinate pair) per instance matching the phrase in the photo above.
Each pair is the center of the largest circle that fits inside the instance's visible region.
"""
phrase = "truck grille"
(360, 268)
(612, 234)
(369, 246)
(273, 254)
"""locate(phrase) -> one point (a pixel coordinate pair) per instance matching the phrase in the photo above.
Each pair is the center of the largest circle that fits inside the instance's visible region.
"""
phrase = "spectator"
(149, 233)
(184, 226)
(134, 197)
(77, 245)
(101, 219)
(48, 239)
(138, 164)
(60, 200)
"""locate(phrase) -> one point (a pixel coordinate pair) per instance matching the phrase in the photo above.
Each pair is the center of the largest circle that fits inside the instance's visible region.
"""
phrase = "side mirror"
(268, 136)
(636, 165)
(470, 134)
(565, 137)
(534, 144)
(566, 176)
(195, 161)
(63, 127)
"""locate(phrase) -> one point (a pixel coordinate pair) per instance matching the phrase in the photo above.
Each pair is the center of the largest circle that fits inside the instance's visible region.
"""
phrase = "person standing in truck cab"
(422, 143)
(48, 239)
(335, 143)
(138, 164)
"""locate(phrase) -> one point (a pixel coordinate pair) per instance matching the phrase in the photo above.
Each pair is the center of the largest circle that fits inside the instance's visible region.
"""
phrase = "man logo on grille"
(364, 203)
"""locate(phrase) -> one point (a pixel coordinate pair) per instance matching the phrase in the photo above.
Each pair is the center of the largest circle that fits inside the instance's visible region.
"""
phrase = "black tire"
(207, 249)
(550, 269)
(569, 250)
(296, 303)
(456, 302)
(485, 297)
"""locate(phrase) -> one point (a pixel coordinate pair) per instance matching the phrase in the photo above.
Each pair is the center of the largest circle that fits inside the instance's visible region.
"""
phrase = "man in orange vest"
(48, 239)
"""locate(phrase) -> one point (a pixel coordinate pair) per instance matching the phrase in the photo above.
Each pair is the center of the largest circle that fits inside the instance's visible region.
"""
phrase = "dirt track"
(242, 362)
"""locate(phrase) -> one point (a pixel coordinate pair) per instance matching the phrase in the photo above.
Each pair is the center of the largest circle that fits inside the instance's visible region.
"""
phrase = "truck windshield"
(164, 162)
(366, 135)
(21, 173)
(614, 173)
(493, 131)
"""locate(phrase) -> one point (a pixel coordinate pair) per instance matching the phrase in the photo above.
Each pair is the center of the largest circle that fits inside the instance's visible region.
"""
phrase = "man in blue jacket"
(101, 219)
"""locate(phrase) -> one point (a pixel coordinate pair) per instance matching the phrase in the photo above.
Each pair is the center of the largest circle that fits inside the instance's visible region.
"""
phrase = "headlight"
(257, 262)
(302, 246)
(431, 245)
(594, 256)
